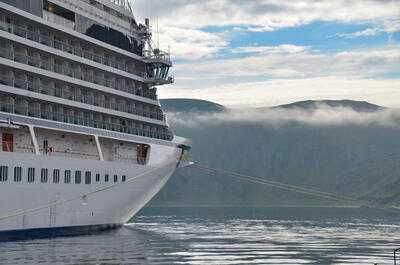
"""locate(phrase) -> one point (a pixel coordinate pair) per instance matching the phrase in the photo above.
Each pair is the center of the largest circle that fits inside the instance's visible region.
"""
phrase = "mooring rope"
(298, 189)
(86, 194)
(279, 185)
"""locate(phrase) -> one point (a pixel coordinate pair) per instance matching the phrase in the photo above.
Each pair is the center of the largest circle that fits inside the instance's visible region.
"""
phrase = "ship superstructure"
(79, 111)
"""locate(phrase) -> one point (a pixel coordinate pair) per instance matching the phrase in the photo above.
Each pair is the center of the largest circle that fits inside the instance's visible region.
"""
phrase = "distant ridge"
(198, 105)
(190, 105)
(351, 159)
(360, 106)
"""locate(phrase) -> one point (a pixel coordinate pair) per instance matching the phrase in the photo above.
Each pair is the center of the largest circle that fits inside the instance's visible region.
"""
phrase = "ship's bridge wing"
(158, 64)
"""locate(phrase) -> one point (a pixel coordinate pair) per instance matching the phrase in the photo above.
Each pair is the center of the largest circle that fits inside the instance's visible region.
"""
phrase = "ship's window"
(97, 177)
(3, 173)
(67, 176)
(78, 175)
(106, 177)
(45, 146)
(88, 177)
(115, 178)
(17, 174)
(31, 174)
(56, 176)
(44, 175)
(123, 178)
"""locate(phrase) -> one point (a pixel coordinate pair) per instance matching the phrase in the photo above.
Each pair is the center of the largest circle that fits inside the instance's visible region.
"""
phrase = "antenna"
(158, 33)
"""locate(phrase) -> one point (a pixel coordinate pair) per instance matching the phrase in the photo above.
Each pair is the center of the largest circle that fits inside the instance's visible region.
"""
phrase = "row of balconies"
(92, 100)
(30, 111)
(30, 35)
(77, 74)
(21, 102)
(101, 12)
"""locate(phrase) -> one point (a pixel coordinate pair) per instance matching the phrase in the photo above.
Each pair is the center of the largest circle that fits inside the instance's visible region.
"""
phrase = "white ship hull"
(84, 141)
(107, 208)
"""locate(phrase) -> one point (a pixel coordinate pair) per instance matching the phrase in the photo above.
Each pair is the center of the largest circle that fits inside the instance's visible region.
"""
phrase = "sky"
(256, 53)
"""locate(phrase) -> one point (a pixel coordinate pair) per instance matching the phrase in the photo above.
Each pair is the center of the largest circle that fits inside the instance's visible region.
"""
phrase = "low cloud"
(322, 115)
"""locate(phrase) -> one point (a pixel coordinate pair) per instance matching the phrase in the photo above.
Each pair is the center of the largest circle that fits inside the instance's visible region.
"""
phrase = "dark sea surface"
(254, 235)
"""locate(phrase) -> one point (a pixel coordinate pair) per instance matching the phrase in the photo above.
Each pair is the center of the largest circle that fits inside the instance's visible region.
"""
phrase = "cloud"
(263, 15)
(278, 91)
(293, 61)
(277, 78)
(183, 23)
(283, 48)
(366, 32)
(323, 115)
(387, 27)
(191, 44)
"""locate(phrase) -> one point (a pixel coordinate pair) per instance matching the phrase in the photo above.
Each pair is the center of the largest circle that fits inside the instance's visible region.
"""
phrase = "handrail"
(64, 70)
(394, 255)
(48, 115)
(27, 34)
(16, 145)
(9, 145)
(68, 151)
(18, 83)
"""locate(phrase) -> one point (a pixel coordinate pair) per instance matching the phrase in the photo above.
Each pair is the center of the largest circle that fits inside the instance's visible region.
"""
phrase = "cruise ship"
(85, 144)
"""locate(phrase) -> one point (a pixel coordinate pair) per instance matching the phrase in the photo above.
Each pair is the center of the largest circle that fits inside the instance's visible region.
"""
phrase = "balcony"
(157, 56)
(54, 116)
(21, 84)
(21, 58)
(68, 48)
(59, 20)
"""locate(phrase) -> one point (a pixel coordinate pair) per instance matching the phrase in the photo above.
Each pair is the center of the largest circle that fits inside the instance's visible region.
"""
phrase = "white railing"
(16, 147)
(7, 146)
(50, 151)
(58, 19)
(96, 12)
(138, 160)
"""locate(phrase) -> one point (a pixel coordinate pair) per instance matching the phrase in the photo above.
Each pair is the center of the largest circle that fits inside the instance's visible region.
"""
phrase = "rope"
(301, 190)
(85, 194)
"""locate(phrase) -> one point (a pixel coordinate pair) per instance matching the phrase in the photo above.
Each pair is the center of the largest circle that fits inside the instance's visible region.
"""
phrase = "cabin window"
(3, 173)
(115, 178)
(17, 174)
(106, 177)
(88, 177)
(44, 175)
(56, 176)
(45, 146)
(78, 176)
(67, 176)
(31, 175)
(123, 178)
(97, 177)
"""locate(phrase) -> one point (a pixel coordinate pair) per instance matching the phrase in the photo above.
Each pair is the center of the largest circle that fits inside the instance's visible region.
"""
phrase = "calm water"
(225, 236)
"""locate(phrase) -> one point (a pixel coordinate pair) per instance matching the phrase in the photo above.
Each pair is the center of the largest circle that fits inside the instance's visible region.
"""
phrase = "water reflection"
(225, 236)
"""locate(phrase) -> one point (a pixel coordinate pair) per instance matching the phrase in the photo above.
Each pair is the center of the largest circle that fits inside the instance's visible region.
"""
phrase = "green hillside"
(190, 105)
(361, 160)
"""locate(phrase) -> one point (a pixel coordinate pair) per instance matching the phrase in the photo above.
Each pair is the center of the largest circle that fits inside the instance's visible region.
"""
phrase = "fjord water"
(253, 235)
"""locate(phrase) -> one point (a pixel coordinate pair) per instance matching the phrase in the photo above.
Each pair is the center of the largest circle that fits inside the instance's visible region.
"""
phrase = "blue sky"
(269, 52)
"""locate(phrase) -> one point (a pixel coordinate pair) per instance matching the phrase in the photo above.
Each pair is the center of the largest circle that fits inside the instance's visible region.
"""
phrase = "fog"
(322, 115)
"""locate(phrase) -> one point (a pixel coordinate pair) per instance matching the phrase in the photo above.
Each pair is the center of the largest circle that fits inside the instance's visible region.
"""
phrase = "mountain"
(360, 159)
(190, 105)
(360, 106)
